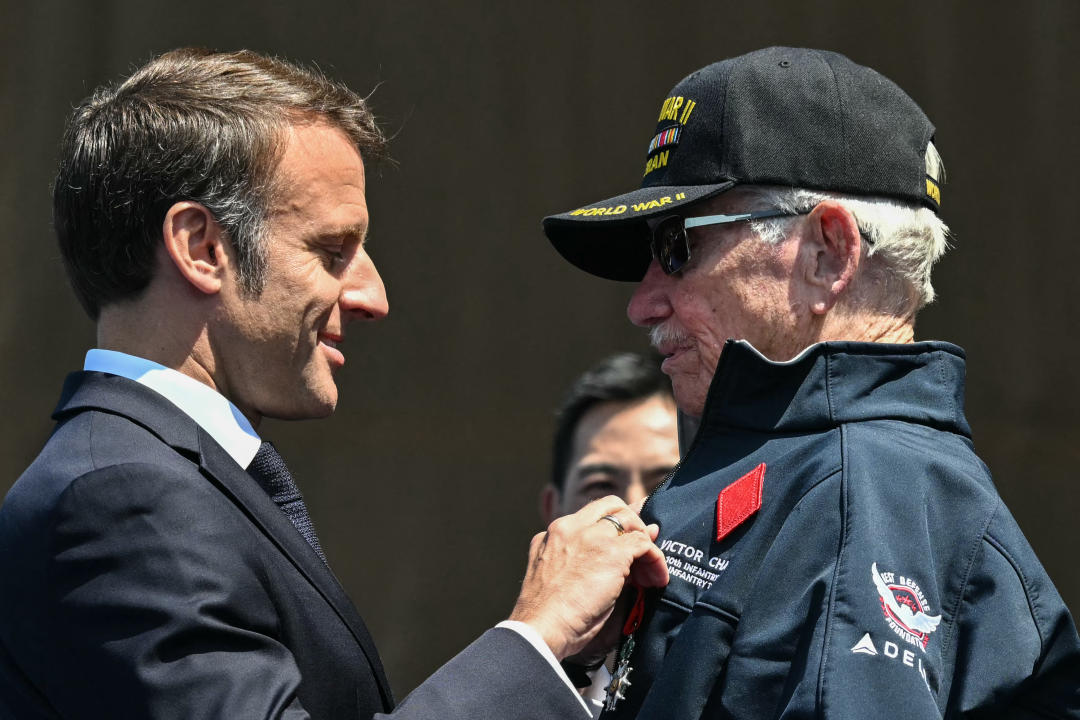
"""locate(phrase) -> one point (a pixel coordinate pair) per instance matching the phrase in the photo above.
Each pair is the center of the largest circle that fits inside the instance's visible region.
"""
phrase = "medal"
(620, 679)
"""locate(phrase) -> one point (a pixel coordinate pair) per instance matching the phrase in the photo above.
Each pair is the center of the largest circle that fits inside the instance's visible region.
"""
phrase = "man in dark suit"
(157, 558)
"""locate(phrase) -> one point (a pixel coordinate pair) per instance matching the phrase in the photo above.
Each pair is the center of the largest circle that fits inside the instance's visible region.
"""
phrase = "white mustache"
(668, 334)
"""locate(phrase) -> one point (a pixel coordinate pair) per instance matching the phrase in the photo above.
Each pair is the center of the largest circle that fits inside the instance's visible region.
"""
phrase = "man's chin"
(312, 408)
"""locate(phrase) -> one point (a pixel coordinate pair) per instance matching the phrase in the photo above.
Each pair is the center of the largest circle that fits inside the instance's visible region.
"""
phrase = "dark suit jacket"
(143, 573)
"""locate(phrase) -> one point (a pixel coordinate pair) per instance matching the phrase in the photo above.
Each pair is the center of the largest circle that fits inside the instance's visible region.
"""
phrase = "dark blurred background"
(423, 486)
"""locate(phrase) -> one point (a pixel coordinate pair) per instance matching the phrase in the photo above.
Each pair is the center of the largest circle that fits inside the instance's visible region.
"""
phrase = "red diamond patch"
(738, 501)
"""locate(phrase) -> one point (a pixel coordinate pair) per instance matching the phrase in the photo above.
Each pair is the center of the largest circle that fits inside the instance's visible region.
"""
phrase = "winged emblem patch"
(905, 607)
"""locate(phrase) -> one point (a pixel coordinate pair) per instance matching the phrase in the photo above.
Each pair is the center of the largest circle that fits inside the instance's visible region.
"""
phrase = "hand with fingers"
(579, 567)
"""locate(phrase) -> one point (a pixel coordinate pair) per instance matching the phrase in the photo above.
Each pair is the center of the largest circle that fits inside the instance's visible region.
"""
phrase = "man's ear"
(195, 243)
(550, 497)
(829, 254)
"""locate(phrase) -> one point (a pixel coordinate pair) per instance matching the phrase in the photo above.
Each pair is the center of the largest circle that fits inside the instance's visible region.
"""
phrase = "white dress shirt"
(213, 412)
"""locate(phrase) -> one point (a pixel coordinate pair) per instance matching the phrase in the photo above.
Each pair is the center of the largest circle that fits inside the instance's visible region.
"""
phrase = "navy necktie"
(269, 469)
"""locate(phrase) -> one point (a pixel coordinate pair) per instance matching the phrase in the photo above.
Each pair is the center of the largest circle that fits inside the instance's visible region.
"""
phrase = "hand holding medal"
(579, 567)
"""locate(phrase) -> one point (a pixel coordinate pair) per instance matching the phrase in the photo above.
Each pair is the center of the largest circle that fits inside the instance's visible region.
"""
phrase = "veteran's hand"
(578, 568)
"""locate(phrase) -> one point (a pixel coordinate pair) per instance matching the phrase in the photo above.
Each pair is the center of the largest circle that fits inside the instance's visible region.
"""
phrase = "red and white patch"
(905, 607)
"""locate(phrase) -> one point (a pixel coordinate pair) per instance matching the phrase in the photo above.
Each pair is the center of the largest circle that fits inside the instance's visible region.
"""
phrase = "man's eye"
(334, 258)
(600, 488)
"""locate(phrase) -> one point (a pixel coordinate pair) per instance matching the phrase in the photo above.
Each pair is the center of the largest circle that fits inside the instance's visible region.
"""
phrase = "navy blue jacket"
(881, 577)
(144, 574)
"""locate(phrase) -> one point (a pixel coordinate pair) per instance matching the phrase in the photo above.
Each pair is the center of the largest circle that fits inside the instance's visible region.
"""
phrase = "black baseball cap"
(779, 116)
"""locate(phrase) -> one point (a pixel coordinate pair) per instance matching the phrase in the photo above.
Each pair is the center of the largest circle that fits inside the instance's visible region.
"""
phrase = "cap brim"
(610, 238)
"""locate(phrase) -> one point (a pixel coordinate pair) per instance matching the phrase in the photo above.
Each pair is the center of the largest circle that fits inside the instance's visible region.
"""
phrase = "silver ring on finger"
(614, 521)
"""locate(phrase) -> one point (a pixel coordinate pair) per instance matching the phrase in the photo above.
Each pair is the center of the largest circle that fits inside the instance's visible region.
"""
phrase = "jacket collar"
(837, 382)
(120, 396)
(209, 408)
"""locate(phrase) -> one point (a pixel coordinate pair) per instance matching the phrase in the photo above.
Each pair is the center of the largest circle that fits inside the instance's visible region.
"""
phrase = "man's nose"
(635, 491)
(649, 305)
(363, 295)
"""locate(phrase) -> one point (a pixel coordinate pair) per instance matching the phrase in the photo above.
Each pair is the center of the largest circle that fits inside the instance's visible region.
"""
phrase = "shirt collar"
(211, 410)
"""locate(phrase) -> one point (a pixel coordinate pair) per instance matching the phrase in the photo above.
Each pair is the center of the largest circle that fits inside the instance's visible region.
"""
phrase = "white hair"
(903, 240)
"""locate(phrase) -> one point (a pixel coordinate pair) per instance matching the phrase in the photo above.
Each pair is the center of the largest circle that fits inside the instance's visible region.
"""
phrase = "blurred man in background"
(615, 434)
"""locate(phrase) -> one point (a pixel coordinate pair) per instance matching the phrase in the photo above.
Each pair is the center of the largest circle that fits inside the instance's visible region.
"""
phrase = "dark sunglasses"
(670, 245)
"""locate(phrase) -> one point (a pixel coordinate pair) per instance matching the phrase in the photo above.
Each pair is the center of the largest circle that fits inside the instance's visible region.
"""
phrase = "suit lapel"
(117, 395)
(221, 469)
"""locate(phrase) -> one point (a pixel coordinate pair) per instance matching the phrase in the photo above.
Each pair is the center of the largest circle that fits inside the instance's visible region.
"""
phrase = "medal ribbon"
(637, 613)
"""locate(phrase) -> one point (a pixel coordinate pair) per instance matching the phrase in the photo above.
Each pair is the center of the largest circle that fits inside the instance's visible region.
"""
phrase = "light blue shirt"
(210, 409)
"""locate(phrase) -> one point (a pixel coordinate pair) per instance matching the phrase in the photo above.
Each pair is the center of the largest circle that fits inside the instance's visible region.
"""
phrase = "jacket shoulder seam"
(834, 581)
(969, 566)
(1031, 595)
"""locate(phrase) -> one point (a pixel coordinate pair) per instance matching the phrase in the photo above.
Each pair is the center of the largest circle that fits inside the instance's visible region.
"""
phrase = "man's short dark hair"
(191, 125)
(620, 378)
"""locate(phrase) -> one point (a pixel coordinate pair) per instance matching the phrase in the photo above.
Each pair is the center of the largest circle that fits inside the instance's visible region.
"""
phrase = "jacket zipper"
(693, 444)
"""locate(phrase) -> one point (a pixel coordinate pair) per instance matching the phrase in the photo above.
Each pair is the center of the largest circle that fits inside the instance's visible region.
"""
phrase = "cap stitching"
(842, 114)
(725, 164)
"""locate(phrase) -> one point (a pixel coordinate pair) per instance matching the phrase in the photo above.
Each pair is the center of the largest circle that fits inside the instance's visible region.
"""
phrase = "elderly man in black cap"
(835, 545)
